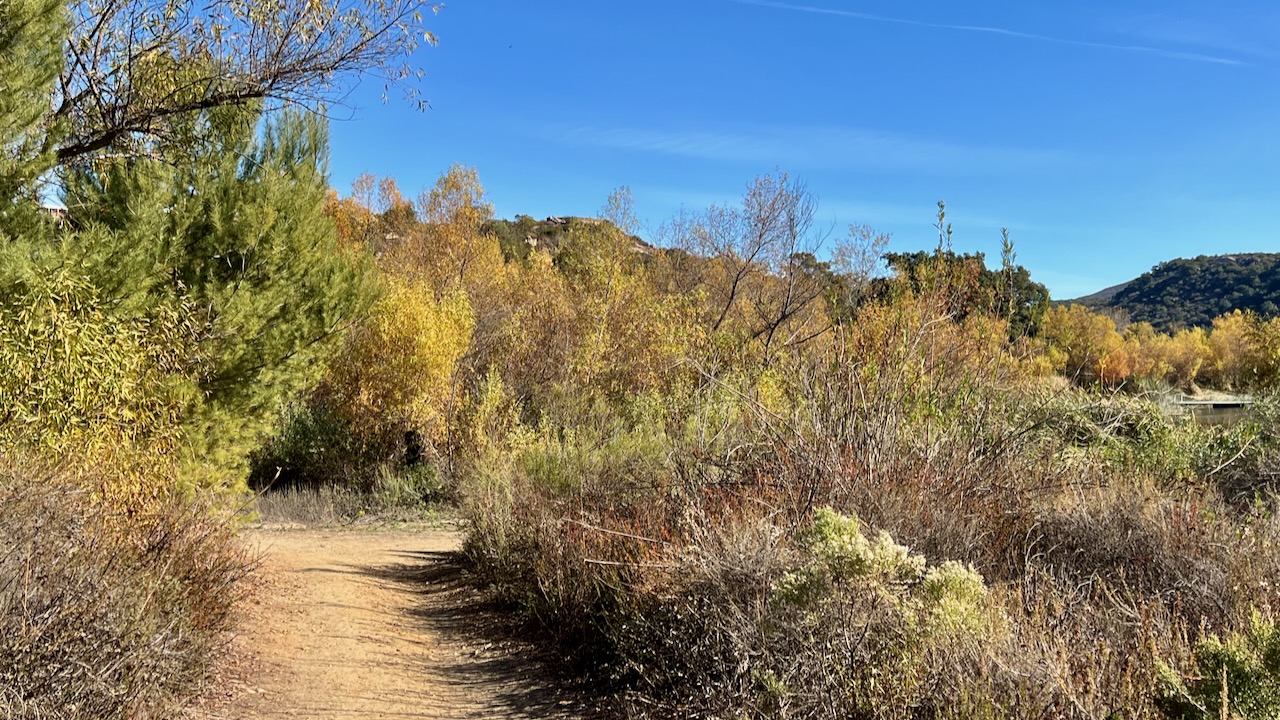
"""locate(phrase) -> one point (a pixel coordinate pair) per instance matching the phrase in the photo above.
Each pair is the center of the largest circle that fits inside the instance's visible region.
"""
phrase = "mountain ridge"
(1191, 292)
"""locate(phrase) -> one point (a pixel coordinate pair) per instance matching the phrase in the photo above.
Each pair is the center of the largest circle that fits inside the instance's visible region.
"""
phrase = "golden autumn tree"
(1188, 352)
(1150, 351)
(1264, 351)
(398, 370)
(1229, 347)
(352, 221)
(541, 331)
(373, 216)
(630, 337)
(1093, 350)
(455, 250)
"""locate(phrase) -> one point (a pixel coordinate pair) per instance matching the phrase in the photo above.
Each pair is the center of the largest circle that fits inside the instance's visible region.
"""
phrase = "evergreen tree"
(185, 297)
(254, 247)
(1009, 292)
(234, 233)
(31, 36)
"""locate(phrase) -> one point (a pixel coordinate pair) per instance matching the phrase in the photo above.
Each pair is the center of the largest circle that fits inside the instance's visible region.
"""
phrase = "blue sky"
(1106, 136)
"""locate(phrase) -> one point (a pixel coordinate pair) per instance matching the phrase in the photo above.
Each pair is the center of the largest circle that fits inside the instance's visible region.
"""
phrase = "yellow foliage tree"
(1189, 351)
(440, 240)
(1263, 367)
(1150, 351)
(354, 222)
(451, 251)
(541, 332)
(629, 336)
(109, 391)
(398, 371)
(456, 210)
(1095, 351)
(375, 216)
(1229, 348)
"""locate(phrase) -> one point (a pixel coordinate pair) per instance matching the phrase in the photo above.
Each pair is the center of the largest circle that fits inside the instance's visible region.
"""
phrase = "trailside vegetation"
(152, 326)
(741, 471)
(730, 478)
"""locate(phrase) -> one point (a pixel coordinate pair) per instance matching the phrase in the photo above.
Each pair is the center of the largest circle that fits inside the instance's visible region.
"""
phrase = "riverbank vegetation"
(734, 471)
(732, 479)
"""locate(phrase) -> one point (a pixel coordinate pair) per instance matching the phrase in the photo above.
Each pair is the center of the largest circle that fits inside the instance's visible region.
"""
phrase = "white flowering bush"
(946, 598)
(892, 609)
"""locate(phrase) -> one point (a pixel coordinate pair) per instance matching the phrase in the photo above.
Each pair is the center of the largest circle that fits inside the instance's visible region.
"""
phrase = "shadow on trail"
(487, 656)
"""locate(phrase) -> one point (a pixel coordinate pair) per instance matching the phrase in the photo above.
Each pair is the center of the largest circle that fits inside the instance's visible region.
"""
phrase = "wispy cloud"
(988, 30)
(820, 148)
(1243, 34)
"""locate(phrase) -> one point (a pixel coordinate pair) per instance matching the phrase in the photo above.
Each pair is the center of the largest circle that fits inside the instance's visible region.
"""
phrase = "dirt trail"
(376, 624)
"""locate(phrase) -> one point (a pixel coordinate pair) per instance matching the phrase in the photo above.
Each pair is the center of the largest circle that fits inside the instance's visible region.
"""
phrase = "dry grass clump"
(96, 623)
(1190, 552)
(309, 506)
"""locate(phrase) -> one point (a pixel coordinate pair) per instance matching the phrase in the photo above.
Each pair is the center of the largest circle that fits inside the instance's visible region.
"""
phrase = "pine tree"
(255, 247)
(235, 232)
(195, 289)
(31, 36)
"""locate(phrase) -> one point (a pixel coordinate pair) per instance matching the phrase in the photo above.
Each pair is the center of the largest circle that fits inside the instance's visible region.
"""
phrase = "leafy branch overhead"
(136, 69)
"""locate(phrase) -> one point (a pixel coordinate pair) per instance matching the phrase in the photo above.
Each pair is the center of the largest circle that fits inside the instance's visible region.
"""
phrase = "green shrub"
(1238, 677)
(311, 448)
(396, 488)
(586, 459)
(1243, 459)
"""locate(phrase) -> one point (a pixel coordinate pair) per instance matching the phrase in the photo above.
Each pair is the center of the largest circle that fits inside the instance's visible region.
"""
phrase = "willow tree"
(133, 67)
(75, 370)
(763, 284)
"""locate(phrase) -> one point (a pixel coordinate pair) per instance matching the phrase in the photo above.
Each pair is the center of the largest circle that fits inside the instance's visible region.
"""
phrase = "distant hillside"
(523, 234)
(1186, 293)
(1102, 297)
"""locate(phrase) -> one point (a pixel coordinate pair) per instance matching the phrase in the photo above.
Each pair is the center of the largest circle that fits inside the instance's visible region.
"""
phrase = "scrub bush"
(100, 623)
(1236, 677)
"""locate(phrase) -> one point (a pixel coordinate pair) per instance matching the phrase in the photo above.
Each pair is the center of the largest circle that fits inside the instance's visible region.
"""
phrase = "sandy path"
(375, 624)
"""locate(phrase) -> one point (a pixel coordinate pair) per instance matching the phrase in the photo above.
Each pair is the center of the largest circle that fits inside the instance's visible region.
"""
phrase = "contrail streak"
(1173, 54)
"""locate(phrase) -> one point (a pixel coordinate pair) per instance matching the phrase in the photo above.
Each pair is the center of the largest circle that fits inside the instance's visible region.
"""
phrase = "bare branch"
(136, 65)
